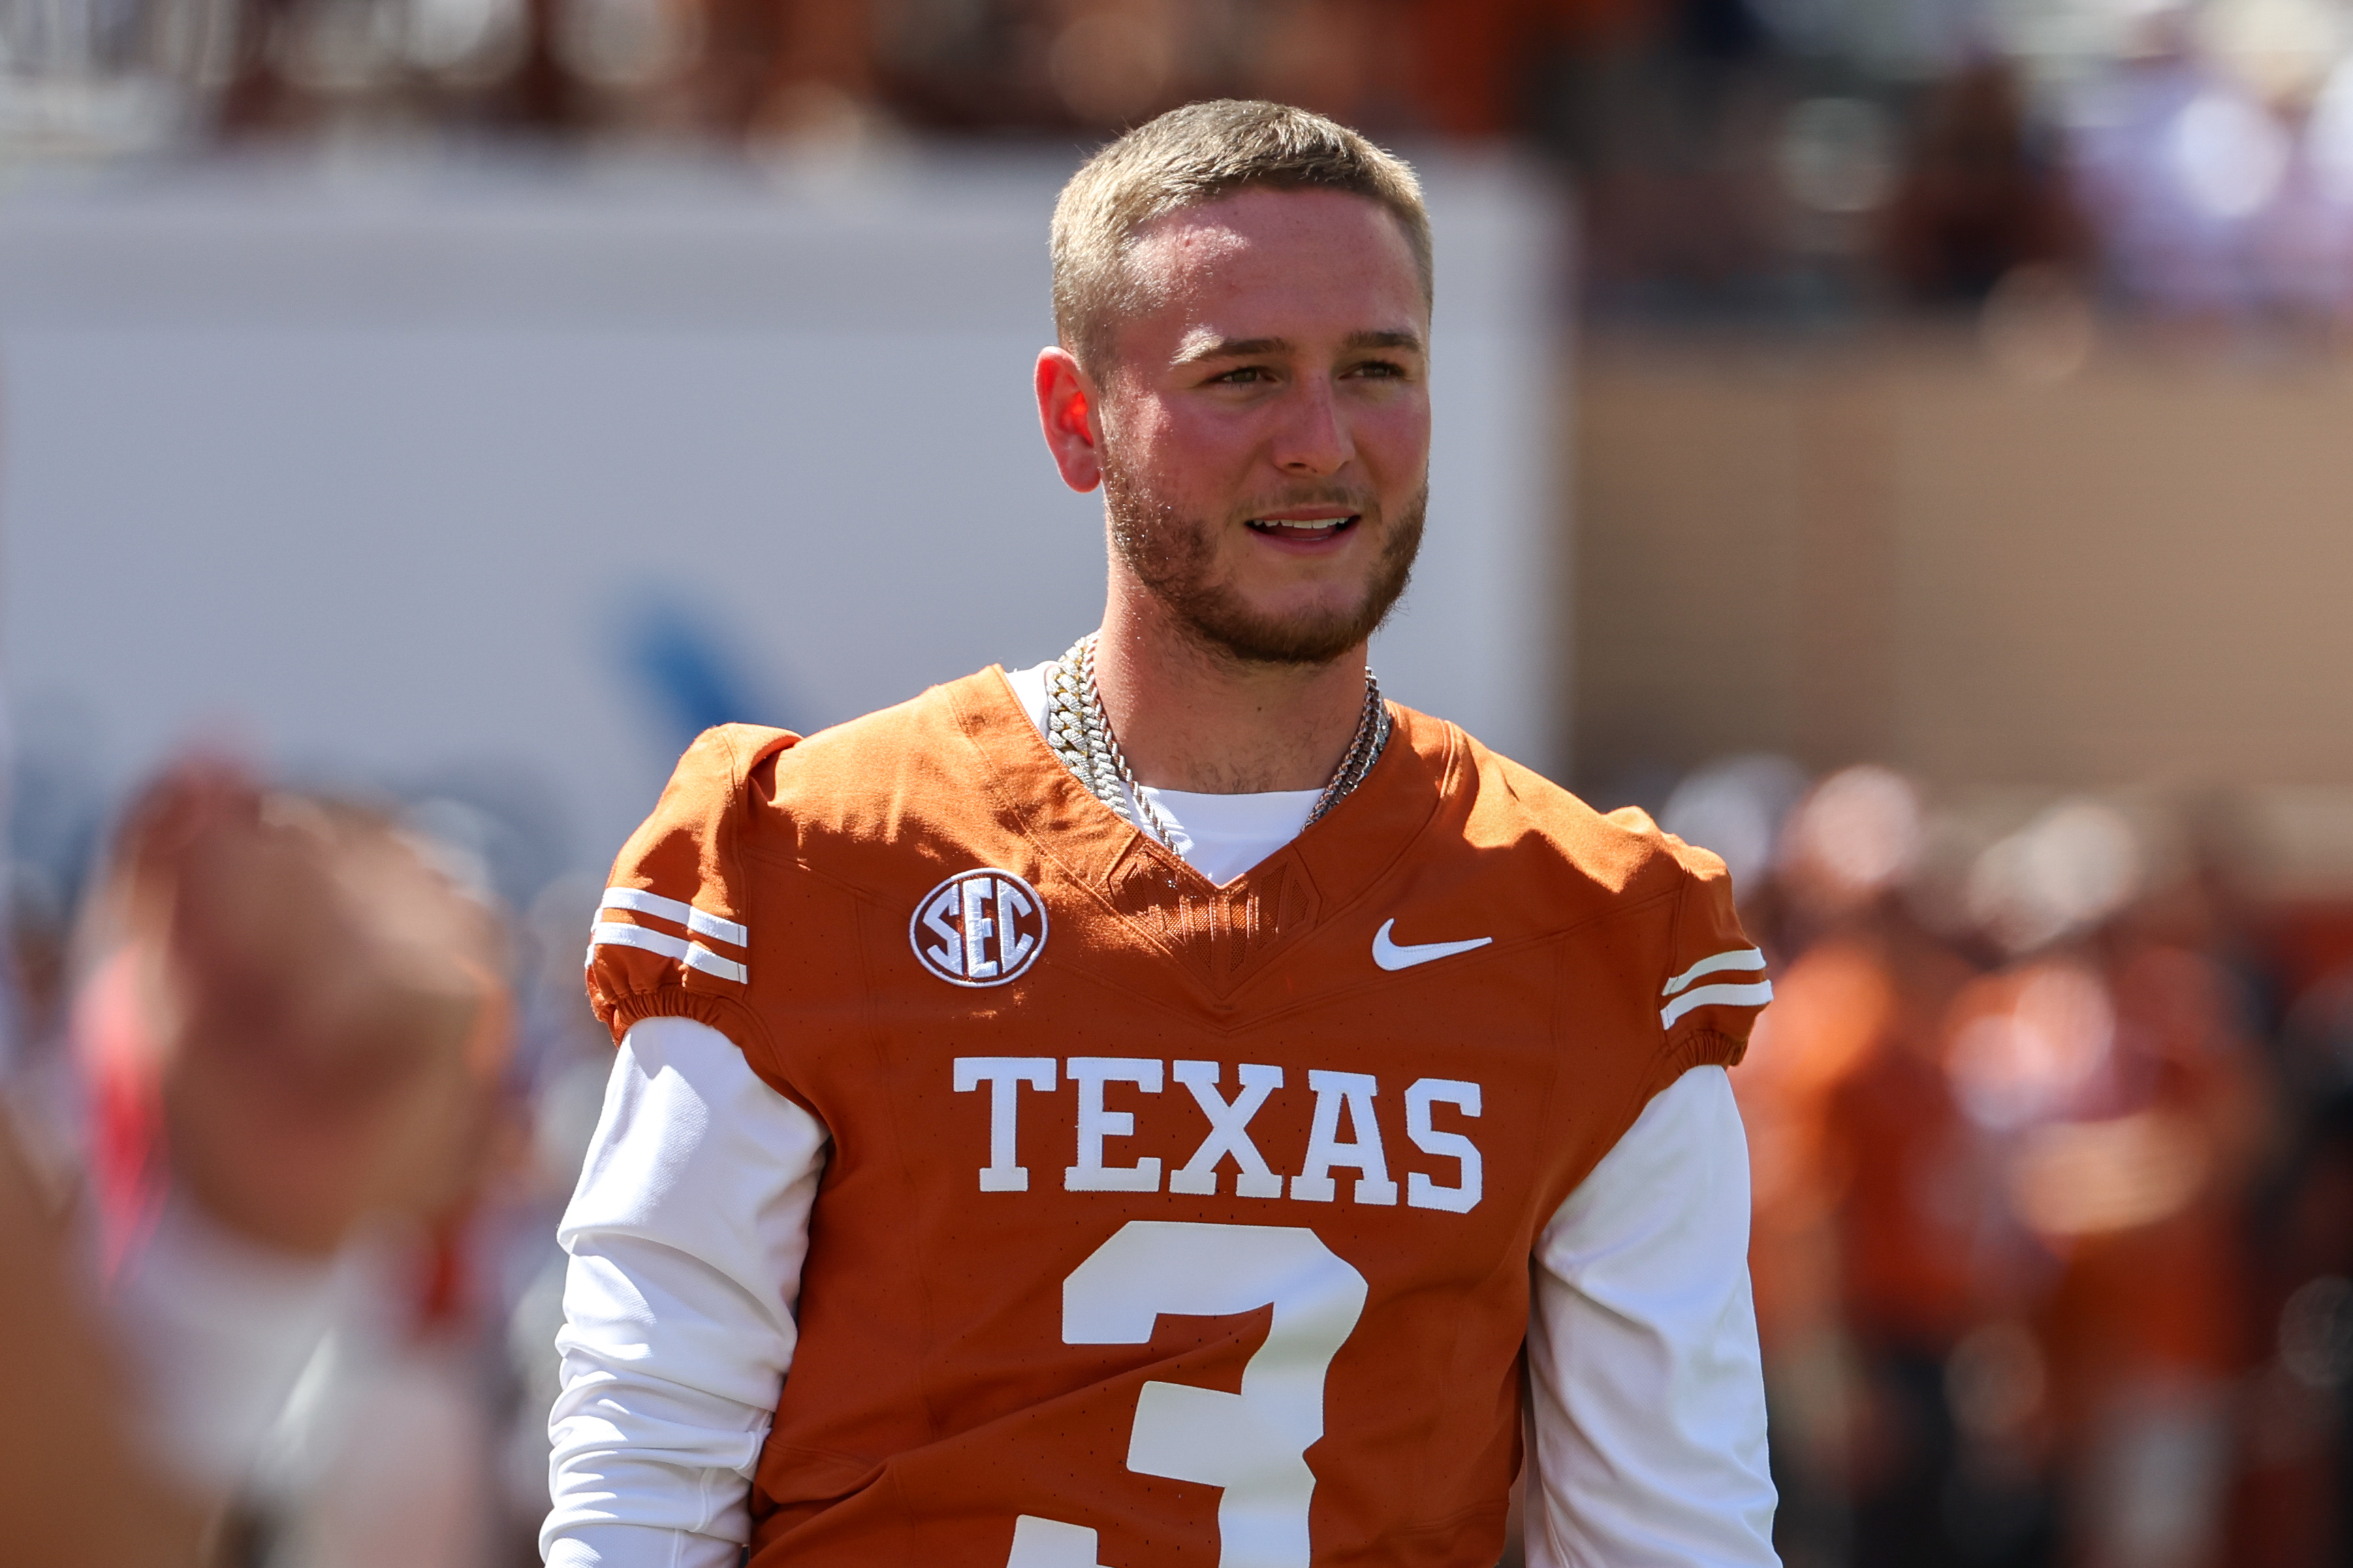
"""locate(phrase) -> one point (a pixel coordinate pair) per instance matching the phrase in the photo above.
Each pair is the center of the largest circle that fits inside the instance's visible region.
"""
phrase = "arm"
(687, 1234)
(1649, 1392)
(75, 1488)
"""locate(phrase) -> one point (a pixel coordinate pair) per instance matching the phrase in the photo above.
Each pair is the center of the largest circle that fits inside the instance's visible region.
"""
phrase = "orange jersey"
(1164, 1222)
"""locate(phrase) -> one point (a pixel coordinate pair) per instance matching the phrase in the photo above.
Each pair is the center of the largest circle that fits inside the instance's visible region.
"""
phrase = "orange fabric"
(934, 1399)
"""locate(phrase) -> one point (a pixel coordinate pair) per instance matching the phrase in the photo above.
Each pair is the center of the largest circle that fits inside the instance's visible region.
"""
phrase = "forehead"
(1274, 262)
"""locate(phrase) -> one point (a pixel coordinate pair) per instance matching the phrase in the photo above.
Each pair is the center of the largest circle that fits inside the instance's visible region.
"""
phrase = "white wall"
(385, 472)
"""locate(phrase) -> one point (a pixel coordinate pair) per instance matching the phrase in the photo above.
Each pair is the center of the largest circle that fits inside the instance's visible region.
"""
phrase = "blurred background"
(1905, 444)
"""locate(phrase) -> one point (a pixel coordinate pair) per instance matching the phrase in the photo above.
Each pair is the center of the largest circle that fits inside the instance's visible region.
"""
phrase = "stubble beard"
(1173, 556)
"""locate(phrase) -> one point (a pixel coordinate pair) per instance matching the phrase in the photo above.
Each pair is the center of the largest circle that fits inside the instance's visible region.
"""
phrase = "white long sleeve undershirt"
(691, 1222)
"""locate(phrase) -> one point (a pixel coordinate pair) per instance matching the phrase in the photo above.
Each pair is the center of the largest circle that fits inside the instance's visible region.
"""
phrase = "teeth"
(1312, 526)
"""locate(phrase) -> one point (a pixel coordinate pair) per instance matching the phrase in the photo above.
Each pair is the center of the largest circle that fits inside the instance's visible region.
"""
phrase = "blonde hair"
(1190, 156)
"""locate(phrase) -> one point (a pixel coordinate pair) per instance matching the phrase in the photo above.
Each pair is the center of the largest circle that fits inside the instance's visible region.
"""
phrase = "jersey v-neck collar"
(1221, 836)
(1324, 869)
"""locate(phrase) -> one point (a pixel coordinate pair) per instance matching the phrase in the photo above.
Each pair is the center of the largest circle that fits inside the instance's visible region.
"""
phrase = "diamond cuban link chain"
(1079, 733)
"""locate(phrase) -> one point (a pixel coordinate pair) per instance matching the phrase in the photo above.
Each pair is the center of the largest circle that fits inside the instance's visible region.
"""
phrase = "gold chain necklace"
(1079, 733)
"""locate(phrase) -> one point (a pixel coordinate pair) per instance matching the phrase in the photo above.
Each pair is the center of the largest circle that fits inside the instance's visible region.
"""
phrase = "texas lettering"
(1345, 1129)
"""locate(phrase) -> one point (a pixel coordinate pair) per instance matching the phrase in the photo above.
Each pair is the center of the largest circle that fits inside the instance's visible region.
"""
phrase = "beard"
(1175, 557)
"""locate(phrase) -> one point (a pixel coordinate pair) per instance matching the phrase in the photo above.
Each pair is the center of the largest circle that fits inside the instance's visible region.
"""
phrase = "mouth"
(1304, 529)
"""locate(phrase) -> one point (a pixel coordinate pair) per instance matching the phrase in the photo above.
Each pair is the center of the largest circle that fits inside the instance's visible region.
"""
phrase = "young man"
(1169, 1106)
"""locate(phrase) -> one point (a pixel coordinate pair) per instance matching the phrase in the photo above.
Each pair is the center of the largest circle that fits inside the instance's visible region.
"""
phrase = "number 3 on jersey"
(1253, 1444)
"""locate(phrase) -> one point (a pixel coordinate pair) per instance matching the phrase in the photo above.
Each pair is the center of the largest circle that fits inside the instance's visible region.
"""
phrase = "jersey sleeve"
(672, 934)
(1713, 982)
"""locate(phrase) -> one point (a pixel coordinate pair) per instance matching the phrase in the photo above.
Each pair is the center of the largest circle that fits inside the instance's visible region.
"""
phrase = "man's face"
(1265, 421)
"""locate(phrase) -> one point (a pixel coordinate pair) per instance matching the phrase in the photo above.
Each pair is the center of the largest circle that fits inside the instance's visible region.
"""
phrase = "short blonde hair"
(1194, 155)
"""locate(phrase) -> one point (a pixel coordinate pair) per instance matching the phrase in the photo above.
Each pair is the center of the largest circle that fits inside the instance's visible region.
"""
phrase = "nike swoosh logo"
(1396, 955)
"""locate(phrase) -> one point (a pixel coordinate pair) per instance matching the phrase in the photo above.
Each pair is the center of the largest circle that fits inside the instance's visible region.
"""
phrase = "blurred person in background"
(2011, 1305)
(75, 1489)
(2107, 1064)
(1977, 197)
(1876, 1253)
(290, 1026)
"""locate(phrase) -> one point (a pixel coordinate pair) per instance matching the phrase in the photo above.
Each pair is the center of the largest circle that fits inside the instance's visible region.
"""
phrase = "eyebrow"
(1199, 347)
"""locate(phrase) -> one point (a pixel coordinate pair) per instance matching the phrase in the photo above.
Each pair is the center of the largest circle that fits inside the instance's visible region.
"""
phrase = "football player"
(1170, 1105)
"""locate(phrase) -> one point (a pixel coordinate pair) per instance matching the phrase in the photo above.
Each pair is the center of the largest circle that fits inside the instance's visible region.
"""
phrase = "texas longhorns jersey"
(1164, 1222)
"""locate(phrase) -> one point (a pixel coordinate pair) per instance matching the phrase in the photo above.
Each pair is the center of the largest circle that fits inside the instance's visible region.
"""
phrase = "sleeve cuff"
(636, 1546)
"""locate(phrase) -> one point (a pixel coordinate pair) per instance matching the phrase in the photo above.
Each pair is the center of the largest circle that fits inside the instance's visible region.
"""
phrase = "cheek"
(1185, 450)
(1396, 436)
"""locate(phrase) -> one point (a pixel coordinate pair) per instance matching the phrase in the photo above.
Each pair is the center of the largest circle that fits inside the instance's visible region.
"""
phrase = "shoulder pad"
(1713, 983)
(672, 933)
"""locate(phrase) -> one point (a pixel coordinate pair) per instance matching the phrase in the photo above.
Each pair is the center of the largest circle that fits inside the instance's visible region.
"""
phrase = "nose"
(1312, 441)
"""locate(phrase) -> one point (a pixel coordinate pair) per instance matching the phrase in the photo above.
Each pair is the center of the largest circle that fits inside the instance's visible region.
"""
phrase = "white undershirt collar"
(1220, 835)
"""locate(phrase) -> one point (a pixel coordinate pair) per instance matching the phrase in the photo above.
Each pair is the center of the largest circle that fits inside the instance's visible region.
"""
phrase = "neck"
(1196, 717)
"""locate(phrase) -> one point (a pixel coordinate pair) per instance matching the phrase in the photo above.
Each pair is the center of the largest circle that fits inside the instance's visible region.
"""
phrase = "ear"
(1066, 413)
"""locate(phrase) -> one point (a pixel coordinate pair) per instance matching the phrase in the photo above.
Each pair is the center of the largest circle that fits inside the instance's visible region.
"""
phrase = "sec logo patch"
(978, 928)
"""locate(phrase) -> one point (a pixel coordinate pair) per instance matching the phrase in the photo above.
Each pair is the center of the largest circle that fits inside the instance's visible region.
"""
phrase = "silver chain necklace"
(1081, 734)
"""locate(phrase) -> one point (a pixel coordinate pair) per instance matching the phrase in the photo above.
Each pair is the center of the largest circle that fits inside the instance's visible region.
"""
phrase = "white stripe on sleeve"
(1754, 996)
(701, 922)
(1741, 958)
(618, 933)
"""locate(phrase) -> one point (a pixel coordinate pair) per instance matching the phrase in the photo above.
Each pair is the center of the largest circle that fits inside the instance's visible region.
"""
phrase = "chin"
(1285, 634)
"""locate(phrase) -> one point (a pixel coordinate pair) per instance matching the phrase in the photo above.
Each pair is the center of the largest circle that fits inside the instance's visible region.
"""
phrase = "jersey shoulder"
(731, 855)
(1623, 854)
(1709, 978)
(671, 933)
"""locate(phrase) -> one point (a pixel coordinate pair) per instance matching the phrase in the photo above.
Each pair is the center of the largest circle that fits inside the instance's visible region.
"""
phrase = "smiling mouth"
(1304, 529)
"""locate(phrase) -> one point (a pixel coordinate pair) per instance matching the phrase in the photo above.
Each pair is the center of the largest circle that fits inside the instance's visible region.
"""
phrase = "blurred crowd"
(293, 1095)
(2051, 1130)
(2047, 158)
